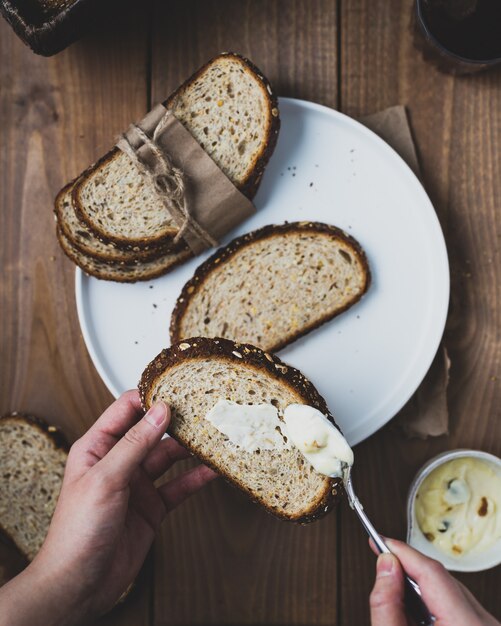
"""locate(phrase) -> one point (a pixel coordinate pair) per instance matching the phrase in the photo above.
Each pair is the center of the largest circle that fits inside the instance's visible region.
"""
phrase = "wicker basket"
(48, 26)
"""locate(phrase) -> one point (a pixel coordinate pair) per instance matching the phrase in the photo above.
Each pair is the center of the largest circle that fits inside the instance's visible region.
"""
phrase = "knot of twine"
(168, 181)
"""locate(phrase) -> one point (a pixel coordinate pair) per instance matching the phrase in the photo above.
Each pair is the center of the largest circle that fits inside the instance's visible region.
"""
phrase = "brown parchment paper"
(213, 201)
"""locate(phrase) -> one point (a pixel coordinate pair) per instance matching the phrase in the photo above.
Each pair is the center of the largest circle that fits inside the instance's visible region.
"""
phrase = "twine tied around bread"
(168, 180)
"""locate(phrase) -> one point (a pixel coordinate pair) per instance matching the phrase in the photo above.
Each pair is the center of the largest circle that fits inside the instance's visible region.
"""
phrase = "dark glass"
(460, 36)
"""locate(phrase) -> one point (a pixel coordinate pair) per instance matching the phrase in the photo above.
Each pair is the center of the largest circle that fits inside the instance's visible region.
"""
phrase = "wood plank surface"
(219, 559)
(57, 115)
(457, 127)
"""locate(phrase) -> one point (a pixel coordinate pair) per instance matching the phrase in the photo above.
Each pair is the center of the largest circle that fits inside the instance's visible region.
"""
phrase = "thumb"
(127, 454)
(387, 596)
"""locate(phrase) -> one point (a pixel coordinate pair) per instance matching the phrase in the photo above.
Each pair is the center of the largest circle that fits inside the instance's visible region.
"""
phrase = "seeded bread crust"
(248, 186)
(224, 255)
(238, 353)
(132, 273)
(45, 430)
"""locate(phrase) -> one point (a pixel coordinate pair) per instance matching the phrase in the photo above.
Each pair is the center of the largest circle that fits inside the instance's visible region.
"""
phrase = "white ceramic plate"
(370, 360)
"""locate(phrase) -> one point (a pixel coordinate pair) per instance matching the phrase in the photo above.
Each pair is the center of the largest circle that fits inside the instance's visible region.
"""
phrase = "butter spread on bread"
(252, 427)
(193, 374)
(320, 442)
(249, 427)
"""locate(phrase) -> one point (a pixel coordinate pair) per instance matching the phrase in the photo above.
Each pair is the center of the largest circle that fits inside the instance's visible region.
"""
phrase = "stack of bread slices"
(111, 222)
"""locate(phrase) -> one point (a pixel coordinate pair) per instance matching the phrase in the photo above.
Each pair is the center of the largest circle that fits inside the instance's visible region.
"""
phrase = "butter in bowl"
(454, 510)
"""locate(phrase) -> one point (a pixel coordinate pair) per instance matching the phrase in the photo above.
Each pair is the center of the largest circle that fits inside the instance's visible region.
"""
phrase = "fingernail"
(385, 564)
(157, 414)
(387, 540)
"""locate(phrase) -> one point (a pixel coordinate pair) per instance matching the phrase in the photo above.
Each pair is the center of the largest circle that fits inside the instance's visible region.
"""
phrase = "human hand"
(105, 520)
(447, 599)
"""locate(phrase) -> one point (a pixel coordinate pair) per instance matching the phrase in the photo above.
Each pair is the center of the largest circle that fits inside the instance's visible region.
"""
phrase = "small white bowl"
(473, 562)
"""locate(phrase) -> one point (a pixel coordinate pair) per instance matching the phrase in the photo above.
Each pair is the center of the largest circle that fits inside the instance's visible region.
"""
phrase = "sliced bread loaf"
(84, 240)
(273, 285)
(229, 108)
(123, 272)
(193, 375)
(33, 460)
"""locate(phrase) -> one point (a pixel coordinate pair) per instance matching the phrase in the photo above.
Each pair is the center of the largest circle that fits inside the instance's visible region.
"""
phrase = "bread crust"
(108, 271)
(121, 243)
(248, 187)
(224, 255)
(136, 256)
(251, 183)
(227, 350)
(46, 430)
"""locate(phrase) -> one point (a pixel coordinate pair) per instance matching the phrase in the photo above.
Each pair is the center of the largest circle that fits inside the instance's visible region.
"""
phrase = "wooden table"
(218, 559)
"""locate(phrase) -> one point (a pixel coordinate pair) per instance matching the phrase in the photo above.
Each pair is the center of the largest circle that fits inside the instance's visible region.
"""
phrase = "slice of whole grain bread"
(191, 376)
(273, 285)
(124, 272)
(84, 240)
(33, 460)
(229, 108)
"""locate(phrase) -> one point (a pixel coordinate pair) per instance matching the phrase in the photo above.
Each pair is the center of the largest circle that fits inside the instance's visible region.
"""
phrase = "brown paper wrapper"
(214, 203)
(392, 125)
(426, 413)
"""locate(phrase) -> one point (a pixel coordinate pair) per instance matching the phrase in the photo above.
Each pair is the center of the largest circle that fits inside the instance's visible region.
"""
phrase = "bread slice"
(86, 242)
(33, 460)
(125, 272)
(273, 285)
(229, 107)
(193, 375)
